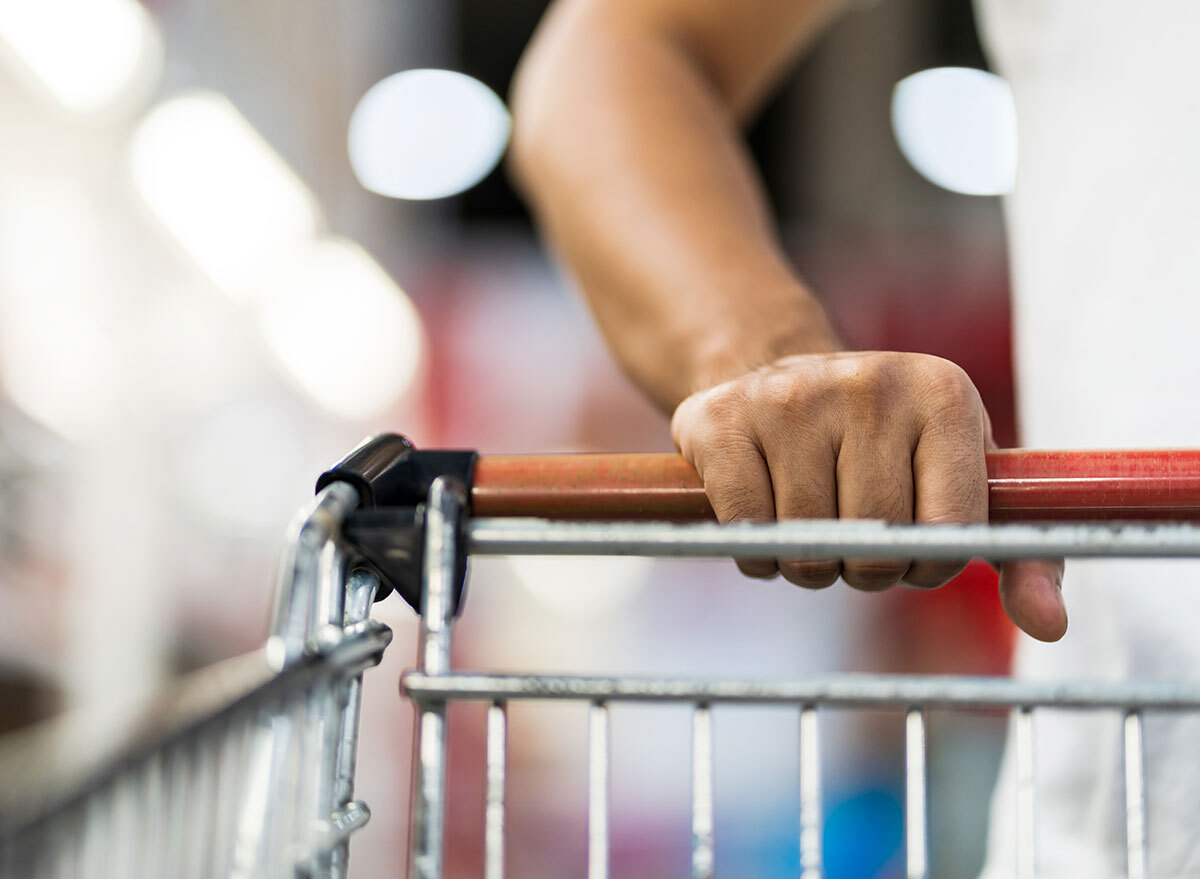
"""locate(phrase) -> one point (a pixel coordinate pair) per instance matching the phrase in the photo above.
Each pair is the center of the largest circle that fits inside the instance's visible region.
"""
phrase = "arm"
(626, 143)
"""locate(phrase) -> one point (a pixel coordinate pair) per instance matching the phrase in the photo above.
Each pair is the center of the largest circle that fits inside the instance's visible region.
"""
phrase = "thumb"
(1031, 593)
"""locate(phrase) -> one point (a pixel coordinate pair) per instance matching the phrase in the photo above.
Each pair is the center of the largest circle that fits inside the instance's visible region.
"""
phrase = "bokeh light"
(222, 192)
(56, 359)
(958, 127)
(88, 54)
(424, 134)
(239, 468)
(343, 330)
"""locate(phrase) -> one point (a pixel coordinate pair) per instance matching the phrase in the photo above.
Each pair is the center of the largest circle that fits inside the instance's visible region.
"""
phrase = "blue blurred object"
(864, 831)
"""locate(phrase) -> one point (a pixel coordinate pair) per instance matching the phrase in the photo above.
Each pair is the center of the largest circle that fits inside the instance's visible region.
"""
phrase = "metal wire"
(1025, 800)
(702, 793)
(811, 819)
(916, 808)
(259, 782)
(245, 769)
(819, 538)
(1135, 797)
(844, 691)
(497, 735)
(598, 757)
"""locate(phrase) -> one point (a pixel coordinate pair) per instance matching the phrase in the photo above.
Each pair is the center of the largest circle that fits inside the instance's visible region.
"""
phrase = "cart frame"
(450, 534)
(247, 768)
(244, 769)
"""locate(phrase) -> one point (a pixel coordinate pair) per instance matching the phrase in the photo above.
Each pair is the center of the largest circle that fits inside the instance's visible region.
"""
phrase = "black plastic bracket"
(393, 478)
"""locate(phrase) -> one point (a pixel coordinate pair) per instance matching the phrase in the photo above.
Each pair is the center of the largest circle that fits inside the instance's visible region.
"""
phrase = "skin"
(626, 142)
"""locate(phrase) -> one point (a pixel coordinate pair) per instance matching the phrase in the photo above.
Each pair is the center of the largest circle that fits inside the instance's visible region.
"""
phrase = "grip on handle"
(1023, 485)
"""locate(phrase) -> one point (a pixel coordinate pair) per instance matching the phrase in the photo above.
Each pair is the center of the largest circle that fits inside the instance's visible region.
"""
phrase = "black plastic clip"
(392, 478)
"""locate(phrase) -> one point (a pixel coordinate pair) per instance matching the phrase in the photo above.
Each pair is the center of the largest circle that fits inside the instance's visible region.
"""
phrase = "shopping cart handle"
(1023, 485)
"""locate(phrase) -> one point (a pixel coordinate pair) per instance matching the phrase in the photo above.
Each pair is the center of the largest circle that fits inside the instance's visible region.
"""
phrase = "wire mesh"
(242, 770)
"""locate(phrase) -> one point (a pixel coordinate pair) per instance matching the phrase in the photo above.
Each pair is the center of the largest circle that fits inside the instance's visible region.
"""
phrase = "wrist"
(744, 343)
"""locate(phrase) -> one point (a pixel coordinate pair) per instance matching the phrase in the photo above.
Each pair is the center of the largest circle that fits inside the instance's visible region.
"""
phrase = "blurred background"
(238, 235)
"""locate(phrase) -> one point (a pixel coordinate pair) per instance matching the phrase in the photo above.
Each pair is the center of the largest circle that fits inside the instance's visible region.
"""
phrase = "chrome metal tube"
(844, 691)
(299, 571)
(702, 793)
(1026, 788)
(598, 755)
(443, 513)
(493, 846)
(824, 539)
(360, 591)
(916, 833)
(811, 819)
(1135, 797)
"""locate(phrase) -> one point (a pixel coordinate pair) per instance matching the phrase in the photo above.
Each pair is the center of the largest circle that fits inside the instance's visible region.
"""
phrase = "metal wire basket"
(244, 769)
(247, 768)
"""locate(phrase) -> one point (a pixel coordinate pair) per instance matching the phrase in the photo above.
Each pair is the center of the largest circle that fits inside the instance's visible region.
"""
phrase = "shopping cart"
(247, 768)
(244, 769)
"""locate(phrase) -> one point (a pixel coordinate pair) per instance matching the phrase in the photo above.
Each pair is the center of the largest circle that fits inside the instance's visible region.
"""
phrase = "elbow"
(567, 77)
(531, 137)
(533, 101)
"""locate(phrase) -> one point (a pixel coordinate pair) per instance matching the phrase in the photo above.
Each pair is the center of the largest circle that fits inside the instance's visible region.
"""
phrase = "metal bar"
(878, 691)
(819, 538)
(300, 570)
(1023, 484)
(1135, 797)
(916, 839)
(1026, 788)
(497, 745)
(318, 834)
(702, 793)
(359, 597)
(443, 513)
(811, 819)
(598, 755)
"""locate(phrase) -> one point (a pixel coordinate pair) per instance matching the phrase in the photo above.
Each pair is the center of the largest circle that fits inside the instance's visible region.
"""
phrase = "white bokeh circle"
(425, 134)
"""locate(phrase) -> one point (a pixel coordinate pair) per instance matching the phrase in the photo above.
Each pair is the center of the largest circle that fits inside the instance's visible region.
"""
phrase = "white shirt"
(1104, 226)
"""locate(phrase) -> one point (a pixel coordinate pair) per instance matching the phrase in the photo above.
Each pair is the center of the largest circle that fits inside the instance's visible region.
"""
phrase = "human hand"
(858, 435)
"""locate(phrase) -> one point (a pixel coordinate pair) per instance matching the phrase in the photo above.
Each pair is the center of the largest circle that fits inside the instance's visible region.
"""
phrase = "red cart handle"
(1023, 485)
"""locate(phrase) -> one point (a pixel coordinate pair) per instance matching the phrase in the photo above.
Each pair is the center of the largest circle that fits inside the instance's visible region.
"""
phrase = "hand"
(870, 435)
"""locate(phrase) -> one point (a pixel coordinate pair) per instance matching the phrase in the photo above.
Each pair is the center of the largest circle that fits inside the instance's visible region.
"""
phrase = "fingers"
(950, 473)
(739, 490)
(875, 481)
(1031, 593)
(895, 437)
(802, 479)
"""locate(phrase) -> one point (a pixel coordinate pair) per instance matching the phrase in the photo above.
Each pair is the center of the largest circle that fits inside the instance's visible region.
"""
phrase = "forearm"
(634, 164)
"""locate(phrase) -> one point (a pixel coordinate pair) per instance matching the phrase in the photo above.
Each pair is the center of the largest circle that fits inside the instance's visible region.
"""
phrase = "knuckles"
(876, 391)
(807, 401)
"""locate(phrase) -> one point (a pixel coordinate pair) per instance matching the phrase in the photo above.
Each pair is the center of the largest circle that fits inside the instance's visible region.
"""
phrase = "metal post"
(598, 759)
(350, 815)
(702, 793)
(299, 572)
(497, 735)
(916, 807)
(1026, 802)
(443, 514)
(811, 820)
(1135, 797)
(326, 707)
